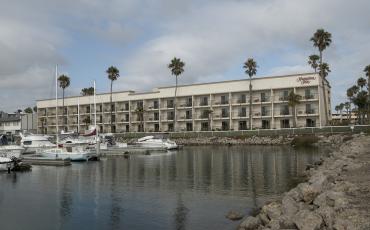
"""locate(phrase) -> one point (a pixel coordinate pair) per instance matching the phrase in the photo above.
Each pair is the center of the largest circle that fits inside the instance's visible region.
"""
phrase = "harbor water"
(193, 188)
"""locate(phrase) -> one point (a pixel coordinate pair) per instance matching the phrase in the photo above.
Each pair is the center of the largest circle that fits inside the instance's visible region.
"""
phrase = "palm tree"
(293, 101)
(324, 69)
(341, 107)
(347, 106)
(177, 68)
(87, 91)
(250, 67)
(28, 110)
(35, 109)
(322, 39)
(140, 113)
(367, 73)
(361, 82)
(312, 60)
(64, 82)
(113, 74)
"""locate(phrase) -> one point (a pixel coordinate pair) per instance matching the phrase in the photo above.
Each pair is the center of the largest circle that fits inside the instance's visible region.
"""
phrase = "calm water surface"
(190, 189)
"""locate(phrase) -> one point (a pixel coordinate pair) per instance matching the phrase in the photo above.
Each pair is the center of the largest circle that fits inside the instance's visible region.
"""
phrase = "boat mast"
(56, 102)
(78, 115)
(96, 129)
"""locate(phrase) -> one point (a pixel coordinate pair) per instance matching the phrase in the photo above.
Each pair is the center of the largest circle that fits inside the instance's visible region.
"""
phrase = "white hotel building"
(200, 107)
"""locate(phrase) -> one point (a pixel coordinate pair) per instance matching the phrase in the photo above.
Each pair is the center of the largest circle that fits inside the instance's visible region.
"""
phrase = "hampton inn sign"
(306, 80)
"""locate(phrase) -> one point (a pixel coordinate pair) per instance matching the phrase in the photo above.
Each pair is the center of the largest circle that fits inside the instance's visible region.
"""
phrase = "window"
(170, 103)
(242, 112)
(204, 101)
(265, 124)
(155, 104)
(170, 127)
(225, 125)
(188, 114)
(204, 126)
(264, 111)
(284, 96)
(264, 97)
(127, 106)
(224, 99)
(127, 117)
(309, 109)
(310, 122)
(189, 102)
(88, 109)
(156, 127)
(113, 118)
(140, 105)
(225, 112)
(308, 94)
(242, 99)
(156, 116)
(170, 115)
(284, 110)
(284, 123)
(242, 125)
(189, 126)
(113, 129)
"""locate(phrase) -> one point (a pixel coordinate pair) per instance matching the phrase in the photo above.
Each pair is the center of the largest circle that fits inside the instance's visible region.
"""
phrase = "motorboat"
(9, 151)
(5, 163)
(158, 141)
(74, 153)
(33, 143)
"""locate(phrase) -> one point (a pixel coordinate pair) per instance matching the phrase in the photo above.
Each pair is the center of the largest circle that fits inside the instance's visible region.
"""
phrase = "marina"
(192, 188)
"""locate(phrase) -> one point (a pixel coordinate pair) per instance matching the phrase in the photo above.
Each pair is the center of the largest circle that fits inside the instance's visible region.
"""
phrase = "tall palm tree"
(64, 82)
(177, 68)
(347, 106)
(322, 39)
(312, 60)
(367, 73)
(361, 82)
(140, 114)
(341, 107)
(293, 101)
(250, 67)
(113, 74)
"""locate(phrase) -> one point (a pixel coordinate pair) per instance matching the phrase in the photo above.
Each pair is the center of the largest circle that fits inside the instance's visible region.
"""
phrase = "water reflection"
(189, 189)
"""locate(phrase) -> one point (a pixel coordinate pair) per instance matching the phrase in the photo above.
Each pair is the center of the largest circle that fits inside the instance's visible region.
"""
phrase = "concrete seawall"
(336, 195)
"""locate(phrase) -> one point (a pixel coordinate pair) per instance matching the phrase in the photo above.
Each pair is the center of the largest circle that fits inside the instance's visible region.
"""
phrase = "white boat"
(158, 141)
(5, 163)
(33, 143)
(9, 151)
(74, 153)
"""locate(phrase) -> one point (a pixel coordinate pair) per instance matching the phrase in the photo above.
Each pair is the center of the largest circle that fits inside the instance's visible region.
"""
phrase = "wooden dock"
(34, 160)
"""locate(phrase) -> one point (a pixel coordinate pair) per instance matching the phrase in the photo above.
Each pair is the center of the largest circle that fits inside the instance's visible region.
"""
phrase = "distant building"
(13, 123)
(200, 107)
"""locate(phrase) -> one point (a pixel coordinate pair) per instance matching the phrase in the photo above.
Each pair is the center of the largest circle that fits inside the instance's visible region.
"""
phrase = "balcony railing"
(284, 112)
(308, 97)
(203, 103)
(310, 111)
(224, 115)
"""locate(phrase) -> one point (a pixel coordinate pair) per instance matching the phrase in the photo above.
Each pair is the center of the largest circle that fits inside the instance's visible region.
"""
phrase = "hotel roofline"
(156, 90)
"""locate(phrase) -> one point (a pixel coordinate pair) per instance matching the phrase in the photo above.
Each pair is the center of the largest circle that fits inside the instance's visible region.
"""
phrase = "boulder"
(328, 215)
(308, 192)
(272, 210)
(289, 206)
(232, 215)
(251, 223)
(306, 220)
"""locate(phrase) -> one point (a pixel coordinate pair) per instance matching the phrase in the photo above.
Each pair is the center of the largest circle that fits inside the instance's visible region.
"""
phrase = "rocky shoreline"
(336, 195)
(254, 140)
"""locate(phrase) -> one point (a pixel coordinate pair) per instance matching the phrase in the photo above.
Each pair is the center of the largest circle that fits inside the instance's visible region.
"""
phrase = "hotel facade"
(217, 106)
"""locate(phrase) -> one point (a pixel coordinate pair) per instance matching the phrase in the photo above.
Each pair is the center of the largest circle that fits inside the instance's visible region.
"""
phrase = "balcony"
(310, 111)
(265, 99)
(283, 98)
(241, 100)
(309, 97)
(203, 103)
(242, 114)
(224, 115)
(284, 112)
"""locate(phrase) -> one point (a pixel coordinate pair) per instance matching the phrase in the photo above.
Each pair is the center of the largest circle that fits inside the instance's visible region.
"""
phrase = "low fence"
(256, 132)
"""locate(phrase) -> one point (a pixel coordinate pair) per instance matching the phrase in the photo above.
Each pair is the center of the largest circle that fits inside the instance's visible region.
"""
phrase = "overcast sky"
(213, 38)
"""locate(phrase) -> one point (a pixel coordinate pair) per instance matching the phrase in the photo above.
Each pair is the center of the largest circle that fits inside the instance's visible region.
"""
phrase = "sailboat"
(74, 153)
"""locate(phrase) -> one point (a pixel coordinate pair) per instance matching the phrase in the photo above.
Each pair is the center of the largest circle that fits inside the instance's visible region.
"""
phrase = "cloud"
(214, 38)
